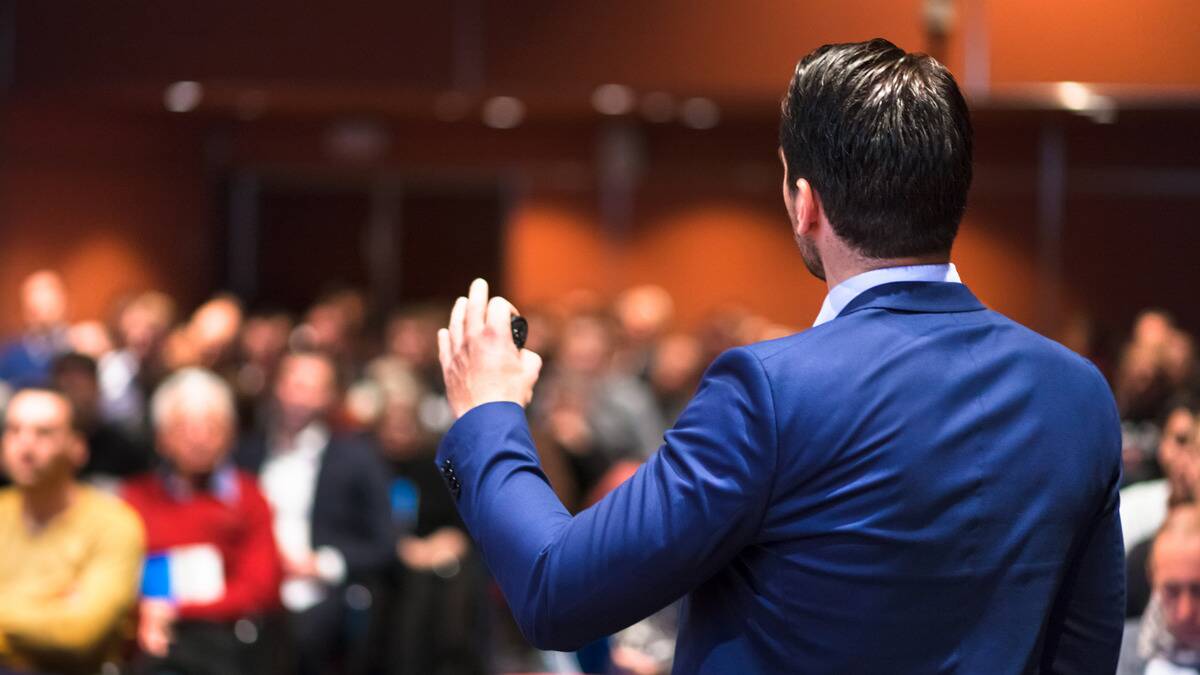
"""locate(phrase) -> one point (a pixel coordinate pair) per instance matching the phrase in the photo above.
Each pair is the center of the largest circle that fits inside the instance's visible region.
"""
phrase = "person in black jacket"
(329, 496)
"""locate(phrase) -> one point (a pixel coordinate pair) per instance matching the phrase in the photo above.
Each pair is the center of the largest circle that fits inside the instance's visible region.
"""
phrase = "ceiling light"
(613, 99)
(503, 112)
(699, 113)
(183, 96)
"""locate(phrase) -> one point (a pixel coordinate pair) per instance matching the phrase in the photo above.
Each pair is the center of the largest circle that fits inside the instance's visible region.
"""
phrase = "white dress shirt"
(289, 482)
(844, 293)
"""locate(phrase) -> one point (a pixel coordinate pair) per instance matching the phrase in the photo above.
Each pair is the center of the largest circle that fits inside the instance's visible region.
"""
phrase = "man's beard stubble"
(811, 257)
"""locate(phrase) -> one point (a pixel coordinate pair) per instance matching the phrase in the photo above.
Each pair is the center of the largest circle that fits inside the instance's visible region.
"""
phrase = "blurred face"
(1176, 438)
(304, 391)
(195, 438)
(644, 312)
(265, 338)
(1152, 329)
(399, 431)
(215, 326)
(585, 346)
(1176, 572)
(327, 328)
(40, 448)
(143, 324)
(414, 340)
(676, 363)
(91, 338)
(83, 389)
(43, 300)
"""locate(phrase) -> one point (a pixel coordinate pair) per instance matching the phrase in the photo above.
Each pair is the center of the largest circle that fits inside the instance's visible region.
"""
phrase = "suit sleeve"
(1086, 623)
(685, 514)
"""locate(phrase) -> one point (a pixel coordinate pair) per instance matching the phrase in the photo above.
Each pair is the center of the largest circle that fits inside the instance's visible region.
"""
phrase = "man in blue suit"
(914, 485)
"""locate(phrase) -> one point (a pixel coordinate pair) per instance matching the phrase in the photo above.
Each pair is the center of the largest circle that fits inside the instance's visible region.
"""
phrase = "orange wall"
(114, 204)
(733, 251)
(1144, 42)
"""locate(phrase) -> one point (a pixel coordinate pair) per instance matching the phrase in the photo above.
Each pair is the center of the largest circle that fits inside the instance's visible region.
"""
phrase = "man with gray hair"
(213, 568)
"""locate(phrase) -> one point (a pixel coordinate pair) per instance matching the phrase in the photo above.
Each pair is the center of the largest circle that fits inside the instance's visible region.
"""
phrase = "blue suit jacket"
(919, 486)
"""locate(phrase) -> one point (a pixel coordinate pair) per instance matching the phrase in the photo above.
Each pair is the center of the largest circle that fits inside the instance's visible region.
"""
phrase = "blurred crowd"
(247, 490)
(1156, 383)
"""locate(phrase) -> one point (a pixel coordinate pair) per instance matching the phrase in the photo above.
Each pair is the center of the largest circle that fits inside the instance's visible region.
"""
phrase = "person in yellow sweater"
(70, 556)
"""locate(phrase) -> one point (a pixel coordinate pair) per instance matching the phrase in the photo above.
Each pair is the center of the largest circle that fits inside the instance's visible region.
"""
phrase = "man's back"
(939, 470)
(918, 486)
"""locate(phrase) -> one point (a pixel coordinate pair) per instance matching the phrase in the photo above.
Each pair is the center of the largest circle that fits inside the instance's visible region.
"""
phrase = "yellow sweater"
(67, 589)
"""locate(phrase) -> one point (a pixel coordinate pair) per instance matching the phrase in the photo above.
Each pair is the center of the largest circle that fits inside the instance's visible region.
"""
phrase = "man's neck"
(44, 502)
(843, 267)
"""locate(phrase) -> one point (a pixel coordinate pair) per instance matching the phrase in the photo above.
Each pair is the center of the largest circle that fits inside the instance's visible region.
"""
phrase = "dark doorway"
(288, 237)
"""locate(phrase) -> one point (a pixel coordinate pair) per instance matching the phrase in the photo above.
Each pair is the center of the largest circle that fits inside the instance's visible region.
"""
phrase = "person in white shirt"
(329, 496)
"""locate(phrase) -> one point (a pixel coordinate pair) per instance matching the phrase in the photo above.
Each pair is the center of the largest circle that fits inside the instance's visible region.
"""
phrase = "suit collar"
(916, 296)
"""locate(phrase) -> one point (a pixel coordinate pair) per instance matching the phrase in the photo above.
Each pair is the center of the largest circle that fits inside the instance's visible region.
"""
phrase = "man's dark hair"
(73, 362)
(884, 138)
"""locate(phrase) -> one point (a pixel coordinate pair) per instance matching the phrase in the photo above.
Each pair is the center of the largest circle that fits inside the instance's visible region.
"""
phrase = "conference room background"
(202, 147)
(334, 174)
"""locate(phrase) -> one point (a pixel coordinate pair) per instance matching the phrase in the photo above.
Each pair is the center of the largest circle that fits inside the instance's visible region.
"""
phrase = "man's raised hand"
(480, 363)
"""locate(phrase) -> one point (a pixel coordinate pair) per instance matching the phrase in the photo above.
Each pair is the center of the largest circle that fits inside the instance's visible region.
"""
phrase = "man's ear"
(807, 208)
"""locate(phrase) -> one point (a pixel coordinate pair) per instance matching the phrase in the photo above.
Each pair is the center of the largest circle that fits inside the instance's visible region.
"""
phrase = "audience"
(434, 605)
(1156, 363)
(340, 550)
(69, 555)
(213, 567)
(328, 493)
(134, 366)
(1167, 639)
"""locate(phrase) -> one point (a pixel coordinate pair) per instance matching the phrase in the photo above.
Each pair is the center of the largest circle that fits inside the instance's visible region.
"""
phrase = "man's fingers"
(531, 363)
(499, 315)
(456, 328)
(477, 299)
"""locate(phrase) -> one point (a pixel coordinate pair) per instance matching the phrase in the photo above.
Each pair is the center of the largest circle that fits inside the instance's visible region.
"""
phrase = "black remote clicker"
(520, 330)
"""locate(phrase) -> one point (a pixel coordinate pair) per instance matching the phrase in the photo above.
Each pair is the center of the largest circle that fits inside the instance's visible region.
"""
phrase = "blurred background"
(216, 184)
(404, 148)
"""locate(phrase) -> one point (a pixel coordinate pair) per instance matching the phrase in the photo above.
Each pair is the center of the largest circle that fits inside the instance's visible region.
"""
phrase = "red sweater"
(237, 522)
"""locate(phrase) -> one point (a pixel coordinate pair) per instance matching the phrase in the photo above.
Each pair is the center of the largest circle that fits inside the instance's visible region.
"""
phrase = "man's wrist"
(488, 401)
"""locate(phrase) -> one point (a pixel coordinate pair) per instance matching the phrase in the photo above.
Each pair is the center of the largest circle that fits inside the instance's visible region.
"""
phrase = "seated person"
(1167, 639)
(70, 556)
(25, 361)
(113, 452)
(329, 498)
(213, 561)
(435, 602)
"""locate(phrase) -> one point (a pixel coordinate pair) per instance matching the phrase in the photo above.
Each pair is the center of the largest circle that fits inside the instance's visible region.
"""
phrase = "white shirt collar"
(310, 442)
(845, 292)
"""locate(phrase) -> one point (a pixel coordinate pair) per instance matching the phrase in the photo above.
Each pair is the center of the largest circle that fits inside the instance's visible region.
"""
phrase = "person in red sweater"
(213, 568)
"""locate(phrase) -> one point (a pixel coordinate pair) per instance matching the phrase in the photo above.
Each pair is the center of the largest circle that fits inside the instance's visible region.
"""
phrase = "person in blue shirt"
(916, 484)
(25, 361)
